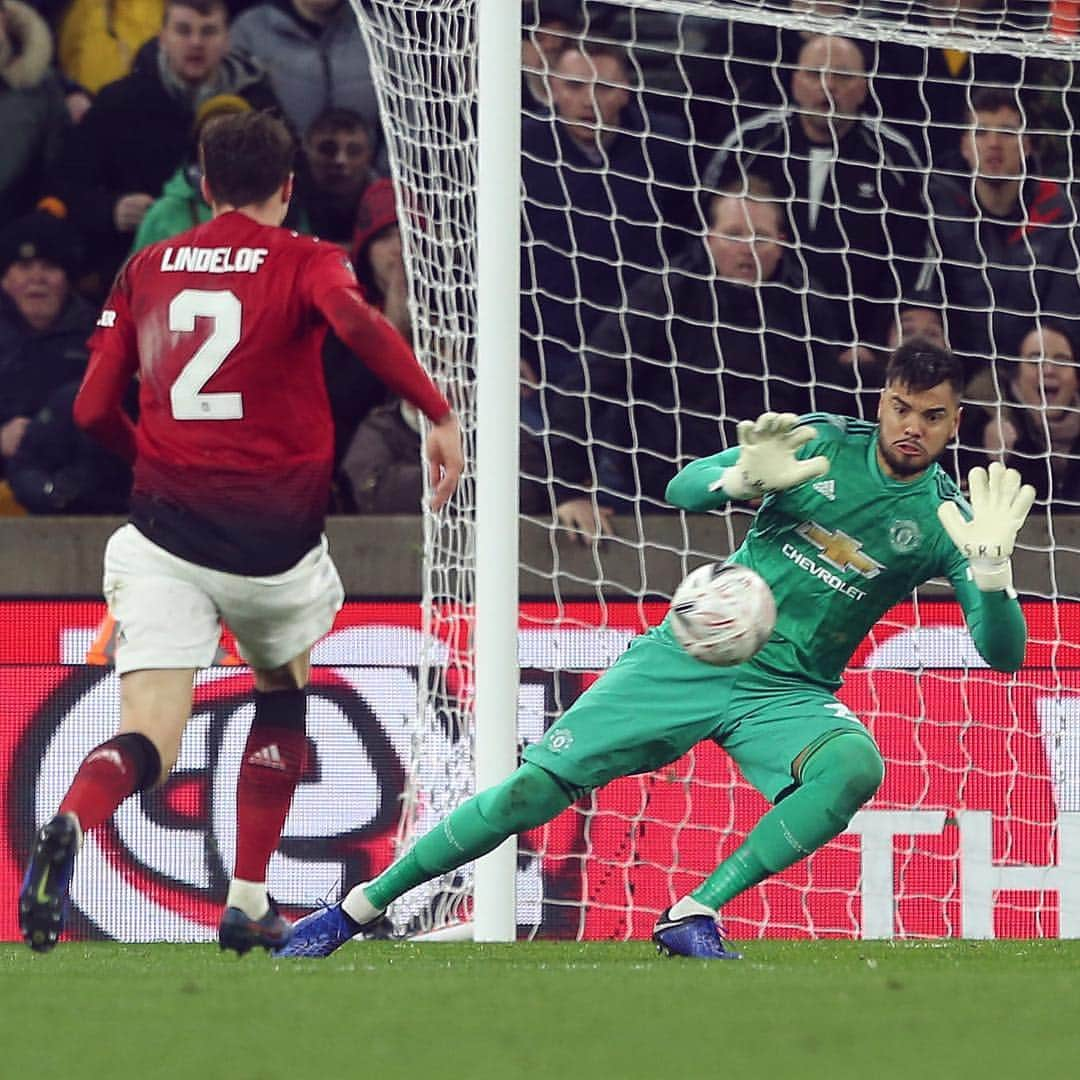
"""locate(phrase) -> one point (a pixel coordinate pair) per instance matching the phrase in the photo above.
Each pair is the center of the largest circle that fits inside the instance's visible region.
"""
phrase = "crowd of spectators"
(849, 195)
(752, 227)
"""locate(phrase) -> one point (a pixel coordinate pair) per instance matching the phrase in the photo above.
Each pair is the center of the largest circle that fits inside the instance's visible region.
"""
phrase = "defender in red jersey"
(223, 327)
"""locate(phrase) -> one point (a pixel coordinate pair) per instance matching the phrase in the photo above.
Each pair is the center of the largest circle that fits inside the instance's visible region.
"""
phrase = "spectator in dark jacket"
(721, 337)
(607, 196)
(58, 469)
(1005, 242)
(854, 191)
(741, 70)
(1028, 415)
(138, 131)
(316, 57)
(43, 324)
(33, 118)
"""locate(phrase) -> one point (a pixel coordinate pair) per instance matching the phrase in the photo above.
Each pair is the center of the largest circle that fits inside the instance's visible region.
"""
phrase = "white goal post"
(479, 223)
(498, 212)
(959, 743)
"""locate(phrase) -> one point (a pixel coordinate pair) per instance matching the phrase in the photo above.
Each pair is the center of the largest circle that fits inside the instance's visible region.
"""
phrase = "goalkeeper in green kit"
(853, 517)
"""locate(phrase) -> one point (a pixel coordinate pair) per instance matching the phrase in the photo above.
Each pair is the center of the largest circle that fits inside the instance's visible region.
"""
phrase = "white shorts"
(168, 611)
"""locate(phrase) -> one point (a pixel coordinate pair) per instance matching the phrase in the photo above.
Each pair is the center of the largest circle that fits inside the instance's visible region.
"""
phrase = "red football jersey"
(234, 444)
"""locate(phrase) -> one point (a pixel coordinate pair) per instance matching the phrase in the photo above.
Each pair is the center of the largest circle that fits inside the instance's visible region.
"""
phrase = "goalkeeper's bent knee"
(850, 767)
(836, 779)
(528, 797)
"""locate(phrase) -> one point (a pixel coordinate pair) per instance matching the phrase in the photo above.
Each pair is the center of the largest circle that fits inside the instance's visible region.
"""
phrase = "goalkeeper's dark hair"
(246, 157)
(919, 365)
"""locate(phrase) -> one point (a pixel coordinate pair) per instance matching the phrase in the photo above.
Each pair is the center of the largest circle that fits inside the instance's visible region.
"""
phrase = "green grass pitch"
(379, 1011)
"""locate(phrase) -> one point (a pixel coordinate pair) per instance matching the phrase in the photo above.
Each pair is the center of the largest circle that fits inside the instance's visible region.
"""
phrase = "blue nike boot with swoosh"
(326, 930)
(43, 898)
(698, 936)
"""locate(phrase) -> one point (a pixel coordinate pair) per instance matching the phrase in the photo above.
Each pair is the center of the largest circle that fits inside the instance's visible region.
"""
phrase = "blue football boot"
(326, 930)
(692, 935)
(241, 933)
(43, 898)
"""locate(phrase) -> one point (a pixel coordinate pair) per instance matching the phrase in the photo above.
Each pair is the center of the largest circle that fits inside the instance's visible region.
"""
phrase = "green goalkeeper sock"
(837, 778)
(527, 798)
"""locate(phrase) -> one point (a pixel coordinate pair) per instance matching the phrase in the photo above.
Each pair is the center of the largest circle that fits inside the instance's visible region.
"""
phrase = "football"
(722, 613)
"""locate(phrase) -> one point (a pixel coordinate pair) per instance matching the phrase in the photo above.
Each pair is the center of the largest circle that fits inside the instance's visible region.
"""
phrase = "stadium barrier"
(381, 555)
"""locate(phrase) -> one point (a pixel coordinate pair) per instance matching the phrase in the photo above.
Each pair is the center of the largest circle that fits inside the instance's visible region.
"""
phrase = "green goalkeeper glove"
(767, 460)
(999, 506)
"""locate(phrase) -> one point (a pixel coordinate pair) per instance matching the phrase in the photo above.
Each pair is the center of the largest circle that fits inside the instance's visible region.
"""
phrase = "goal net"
(728, 208)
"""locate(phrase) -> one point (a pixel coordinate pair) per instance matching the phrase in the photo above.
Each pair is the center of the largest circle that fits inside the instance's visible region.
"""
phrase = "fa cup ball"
(722, 613)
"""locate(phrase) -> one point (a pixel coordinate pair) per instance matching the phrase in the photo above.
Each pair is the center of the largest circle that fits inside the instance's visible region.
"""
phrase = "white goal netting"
(727, 208)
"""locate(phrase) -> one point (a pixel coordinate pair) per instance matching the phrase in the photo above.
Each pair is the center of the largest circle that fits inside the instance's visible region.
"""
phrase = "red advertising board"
(989, 763)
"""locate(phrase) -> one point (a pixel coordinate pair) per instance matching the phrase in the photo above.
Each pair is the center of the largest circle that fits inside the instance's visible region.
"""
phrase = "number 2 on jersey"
(188, 400)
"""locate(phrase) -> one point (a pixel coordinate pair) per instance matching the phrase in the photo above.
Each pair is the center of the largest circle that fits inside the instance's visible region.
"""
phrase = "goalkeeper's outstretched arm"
(694, 487)
(982, 575)
(763, 461)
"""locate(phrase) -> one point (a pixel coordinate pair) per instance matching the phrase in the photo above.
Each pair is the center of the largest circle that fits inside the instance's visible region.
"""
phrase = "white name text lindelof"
(216, 260)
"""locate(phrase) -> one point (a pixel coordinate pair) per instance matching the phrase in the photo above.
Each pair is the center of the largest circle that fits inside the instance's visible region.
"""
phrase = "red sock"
(272, 763)
(107, 776)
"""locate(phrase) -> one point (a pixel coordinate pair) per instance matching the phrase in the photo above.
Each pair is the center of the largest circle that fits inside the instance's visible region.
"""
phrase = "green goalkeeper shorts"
(656, 702)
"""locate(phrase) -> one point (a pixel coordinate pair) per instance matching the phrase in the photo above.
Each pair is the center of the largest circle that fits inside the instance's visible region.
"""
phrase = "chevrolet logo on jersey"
(840, 550)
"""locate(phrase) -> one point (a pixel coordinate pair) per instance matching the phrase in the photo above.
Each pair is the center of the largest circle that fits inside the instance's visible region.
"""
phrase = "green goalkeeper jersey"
(839, 551)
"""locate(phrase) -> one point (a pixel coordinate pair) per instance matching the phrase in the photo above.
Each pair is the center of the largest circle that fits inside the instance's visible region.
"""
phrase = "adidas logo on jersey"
(269, 757)
(826, 488)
